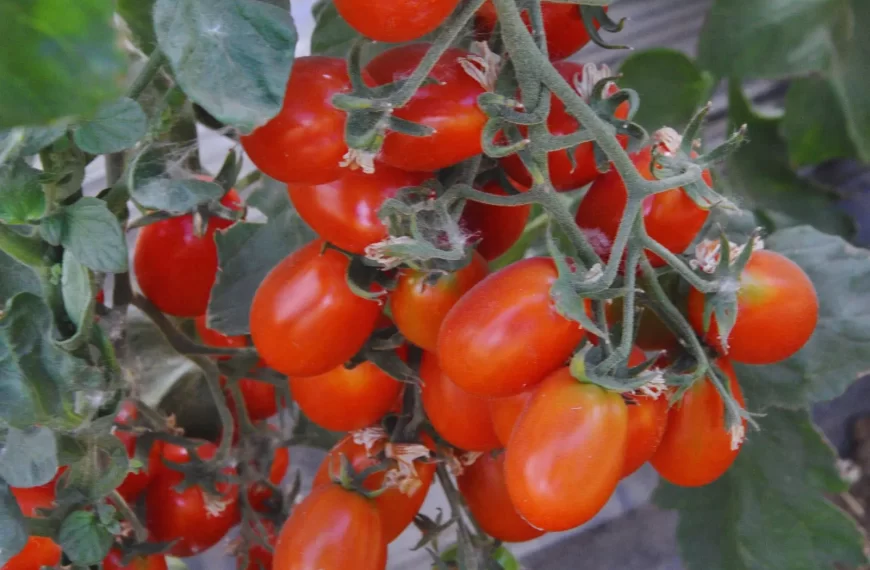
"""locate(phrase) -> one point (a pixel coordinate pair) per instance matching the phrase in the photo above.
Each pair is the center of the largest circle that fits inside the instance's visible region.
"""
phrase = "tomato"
(397, 508)
(506, 411)
(260, 557)
(420, 305)
(483, 486)
(176, 269)
(260, 398)
(305, 319)
(461, 418)
(259, 494)
(394, 22)
(566, 453)
(113, 561)
(498, 227)
(304, 142)
(564, 27)
(652, 332)
(504, 335)
(38, 551)
(671, 218)
(191, 518)
(696, 449)
(211, 337)
(777, 311)
(135, 483)
(448, 104)
(647, 420)
(344, 211)
(332, 529)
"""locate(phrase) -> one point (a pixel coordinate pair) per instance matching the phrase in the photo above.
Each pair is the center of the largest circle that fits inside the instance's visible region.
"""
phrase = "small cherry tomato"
(483, 486)
(259, 494)
(135, 483)
(777, 311)
(499, 227)
(419, 303)
(697, 447)
(394, 22)
(211, 337)
(506, 411)
(113, 561)
(260, 557)
(504, 335)
(38, 551)
(305, 319)
(260, 398)
(566, 453)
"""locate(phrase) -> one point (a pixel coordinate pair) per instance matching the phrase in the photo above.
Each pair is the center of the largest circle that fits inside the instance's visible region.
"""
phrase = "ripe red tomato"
(566, 453)
(647, 419)
(113, 561)
(260, 398)
(395, 22)
(696, 449)
(305, 142)
(499, 227)
(777, 311)
(671, 218)
(397, 509)
(332, 529)
(38, 551)
(176, 269)
(419, 305)
(260, 557)
(506, 411)
(505, 335)
(483, 486)
(305, 319)
(448, 105)
(259, 494)
(344, 211)
(135, 483)
(191, 518)
(211, 337)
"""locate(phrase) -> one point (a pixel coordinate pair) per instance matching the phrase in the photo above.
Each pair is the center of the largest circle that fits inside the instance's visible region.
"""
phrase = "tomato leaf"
(29, 457)
(66, 59)
(21, 196)
(176, 196)
(116, 126)
(94, 236)
(813, 124)
(84, 539)
(100, 470)
(232, 57)
(332, 35)
(16, 278)
(13, 529)
(21, 141)
(78, 290)
(769, 510)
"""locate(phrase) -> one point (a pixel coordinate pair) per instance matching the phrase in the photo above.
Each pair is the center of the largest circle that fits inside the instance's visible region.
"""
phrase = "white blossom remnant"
(404, 476)
(668, 141)
(708, 253)
(738, 434)
(482, 64)
(369, 437)
(215, 506)
(655, 386)
(355, 159)
(585, 82)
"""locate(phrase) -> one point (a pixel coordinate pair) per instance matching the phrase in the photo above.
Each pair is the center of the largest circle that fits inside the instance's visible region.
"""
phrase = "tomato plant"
(114, 561)
(260, 398)
(394, 22)
(497, 227)
(136, 483)
(260, 494)
(214, 338)
(39, 551)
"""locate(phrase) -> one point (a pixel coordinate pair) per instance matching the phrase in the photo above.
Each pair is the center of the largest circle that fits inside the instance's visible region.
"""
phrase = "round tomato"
(305, 319)
(113, 561)
(777, 311)
(38, 551)
(194, 520)
(305, 142)
(671, 218)
(566, 453)
(260, 557)
(397, 508)
(696, 448)
(260, 398)
(448, 104)
(211, 337)
(461, 418)
(498, 227)
(483, 486)
(394, 22)
(506, 411)
(504, 335)
(332, 529)
(420, 304)
(260, 494)
(344, 211)
(176, 269)
(135, 483)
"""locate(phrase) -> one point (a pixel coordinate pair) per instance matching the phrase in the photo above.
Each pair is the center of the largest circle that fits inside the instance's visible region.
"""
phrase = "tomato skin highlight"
(569, 432)
(419, 307)
(304, 300)
(777, 311)
(38, 551)
(448, 105)
(505, 335)
(483, 485)
(395, 22)
(506, 411)
(696, 448)
(150, 562)
(134, 484)
(499, 227)
(647, 422)
(305, 142)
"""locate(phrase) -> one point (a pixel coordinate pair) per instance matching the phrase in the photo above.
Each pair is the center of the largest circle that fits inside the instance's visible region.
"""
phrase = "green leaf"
(21, 141)
(29, 457)
(176, 196)
(94, 236)
(66, 59)
(762, 175)
(13, 529)
(138, 15)
(63, 166)
(78, 290)
(84, 539)
(773, 38)
(248, 251)
(769, 510)
(101, 469)
(670, 85)
(814, 125)
(21, 196)
(16, 278)
(332, 35)
(233, 57)
(117, 126)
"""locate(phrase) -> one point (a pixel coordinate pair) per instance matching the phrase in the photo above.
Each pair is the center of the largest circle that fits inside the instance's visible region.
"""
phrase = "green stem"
(138, 528)
(678, 265)
(30, 251)
(152, 66)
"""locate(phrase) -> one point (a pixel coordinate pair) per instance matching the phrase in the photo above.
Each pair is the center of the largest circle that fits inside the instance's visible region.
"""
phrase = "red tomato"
(135, 483)
(260, 398)
(195, 521)
(397, 509)
(394, 22)
(483, 486)
(647, 419)
(505, 335)
(777, 311)
(259, 494)
(305, 142)
(332, 529)
(696, 449)
(459, 417)
(211, 337)
(671, 218)
(344, 211)
(566, 453)
(260, 557)
(448, 105)
(151, 562)
(499, 227)
(506, 411)
(38, 551)
(305, 319)
(176, 269)
(420, 305)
